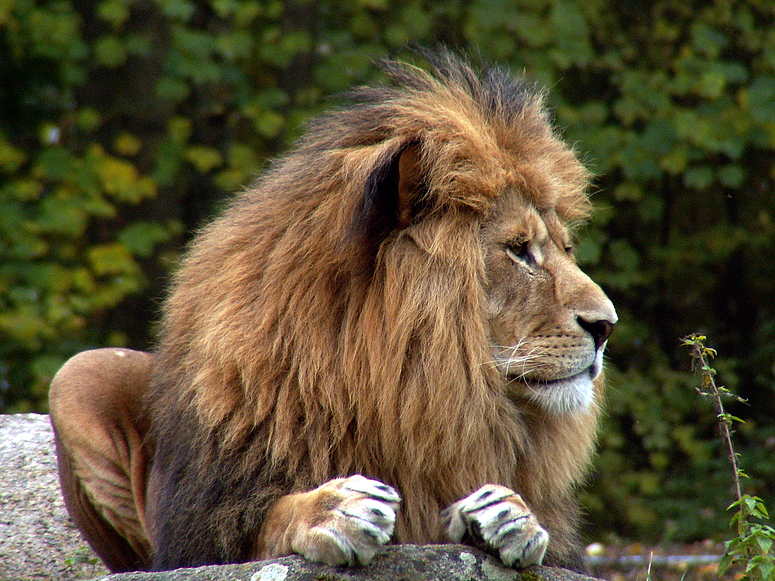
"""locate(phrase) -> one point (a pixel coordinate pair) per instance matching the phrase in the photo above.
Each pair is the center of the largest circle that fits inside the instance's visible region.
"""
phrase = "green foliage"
(124, 124)
(752, 547)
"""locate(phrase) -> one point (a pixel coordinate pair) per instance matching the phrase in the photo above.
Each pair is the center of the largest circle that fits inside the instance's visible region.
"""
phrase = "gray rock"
(38, 541)
(37, 538)
(394, 563)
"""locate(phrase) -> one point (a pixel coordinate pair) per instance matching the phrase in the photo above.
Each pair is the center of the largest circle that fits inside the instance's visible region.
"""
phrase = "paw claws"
(485, 496)
(372, 488)
(498, 517)
(362, 520)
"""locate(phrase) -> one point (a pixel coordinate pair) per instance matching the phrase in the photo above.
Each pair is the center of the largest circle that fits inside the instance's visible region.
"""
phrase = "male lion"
(394, 306)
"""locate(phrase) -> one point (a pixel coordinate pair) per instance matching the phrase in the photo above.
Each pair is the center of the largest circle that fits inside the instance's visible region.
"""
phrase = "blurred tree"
(124, 123)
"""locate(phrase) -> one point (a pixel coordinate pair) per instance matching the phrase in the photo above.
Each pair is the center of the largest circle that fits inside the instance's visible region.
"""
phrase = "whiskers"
(560, 383)
(516, 366)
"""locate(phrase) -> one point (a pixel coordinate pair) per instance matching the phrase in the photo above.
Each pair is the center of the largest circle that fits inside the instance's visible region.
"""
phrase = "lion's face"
(548, 321)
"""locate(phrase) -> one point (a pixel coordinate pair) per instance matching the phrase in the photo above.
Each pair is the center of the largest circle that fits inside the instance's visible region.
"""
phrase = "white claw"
(353, 531)
(499, 517)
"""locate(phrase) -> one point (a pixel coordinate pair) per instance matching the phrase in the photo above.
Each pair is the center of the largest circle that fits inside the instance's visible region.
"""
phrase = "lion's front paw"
(498, 517)
(355, 516)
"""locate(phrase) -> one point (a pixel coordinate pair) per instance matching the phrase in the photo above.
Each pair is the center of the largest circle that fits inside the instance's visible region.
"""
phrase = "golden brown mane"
(313, 331)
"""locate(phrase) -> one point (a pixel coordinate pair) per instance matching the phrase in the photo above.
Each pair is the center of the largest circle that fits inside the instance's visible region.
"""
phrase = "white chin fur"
(564, 396)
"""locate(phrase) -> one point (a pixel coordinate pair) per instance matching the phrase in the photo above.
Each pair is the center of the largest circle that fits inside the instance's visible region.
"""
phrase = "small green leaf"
(247, 11)
(141, 238)
(62, 214)
(110, 51)
(107, 259)
(138, 45)
(24, 190)
(707, 40)
(88, 119)
(127, 144)
(765, 544)
(628, 191)
(54, 163)
(171, 88)
(178, 9)
(699, 178)
(46, 366)
(205, 159)
(113, 11)
(11, 158)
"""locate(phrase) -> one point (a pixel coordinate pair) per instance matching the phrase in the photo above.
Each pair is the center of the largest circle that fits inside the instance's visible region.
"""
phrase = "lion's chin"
(564, 395)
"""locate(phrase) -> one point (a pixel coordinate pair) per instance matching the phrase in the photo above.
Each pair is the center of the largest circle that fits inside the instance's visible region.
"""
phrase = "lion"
(385, 339)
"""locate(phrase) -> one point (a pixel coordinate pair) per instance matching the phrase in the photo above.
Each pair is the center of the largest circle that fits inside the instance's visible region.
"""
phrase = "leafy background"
(124, 124)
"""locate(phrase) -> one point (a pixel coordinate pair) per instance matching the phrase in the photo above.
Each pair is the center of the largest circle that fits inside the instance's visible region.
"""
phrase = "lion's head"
(398, 297)
(548, 321)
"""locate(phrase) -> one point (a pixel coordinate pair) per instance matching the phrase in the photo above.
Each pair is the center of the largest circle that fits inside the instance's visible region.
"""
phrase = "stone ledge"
(39, 542)
(401, 562)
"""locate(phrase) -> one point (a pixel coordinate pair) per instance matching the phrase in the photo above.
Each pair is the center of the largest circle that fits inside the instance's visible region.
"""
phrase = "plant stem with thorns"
(700, 356)
(752, 547)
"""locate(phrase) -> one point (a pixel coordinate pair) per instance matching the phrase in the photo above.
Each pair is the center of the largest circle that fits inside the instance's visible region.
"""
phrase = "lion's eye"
(518, 251)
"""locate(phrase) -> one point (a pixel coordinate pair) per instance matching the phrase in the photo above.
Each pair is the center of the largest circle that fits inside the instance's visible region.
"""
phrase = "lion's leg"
(342, 522)
(498, 518)
(95, 402)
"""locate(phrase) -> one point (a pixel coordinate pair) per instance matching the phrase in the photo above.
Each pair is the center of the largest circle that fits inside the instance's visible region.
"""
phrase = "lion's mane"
(312, 331)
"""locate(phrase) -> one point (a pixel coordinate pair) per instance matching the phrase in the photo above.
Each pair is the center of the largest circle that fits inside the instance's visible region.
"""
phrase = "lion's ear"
(391, 193)
(409, 183)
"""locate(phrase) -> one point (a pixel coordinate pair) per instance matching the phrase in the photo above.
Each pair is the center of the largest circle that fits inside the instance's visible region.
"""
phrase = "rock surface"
(394, 563)
(37, 538)
(38, 541)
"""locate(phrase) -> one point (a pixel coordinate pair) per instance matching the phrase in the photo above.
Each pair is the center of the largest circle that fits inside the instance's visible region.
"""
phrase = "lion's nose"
(600, 329)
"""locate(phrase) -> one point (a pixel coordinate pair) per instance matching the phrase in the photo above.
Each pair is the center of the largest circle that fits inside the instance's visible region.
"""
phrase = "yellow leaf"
(203, 158)
(127, 144)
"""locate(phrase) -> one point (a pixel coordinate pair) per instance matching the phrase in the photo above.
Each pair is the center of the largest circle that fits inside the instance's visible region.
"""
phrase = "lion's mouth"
(532, 378)
(561, 395)
(588, 374)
